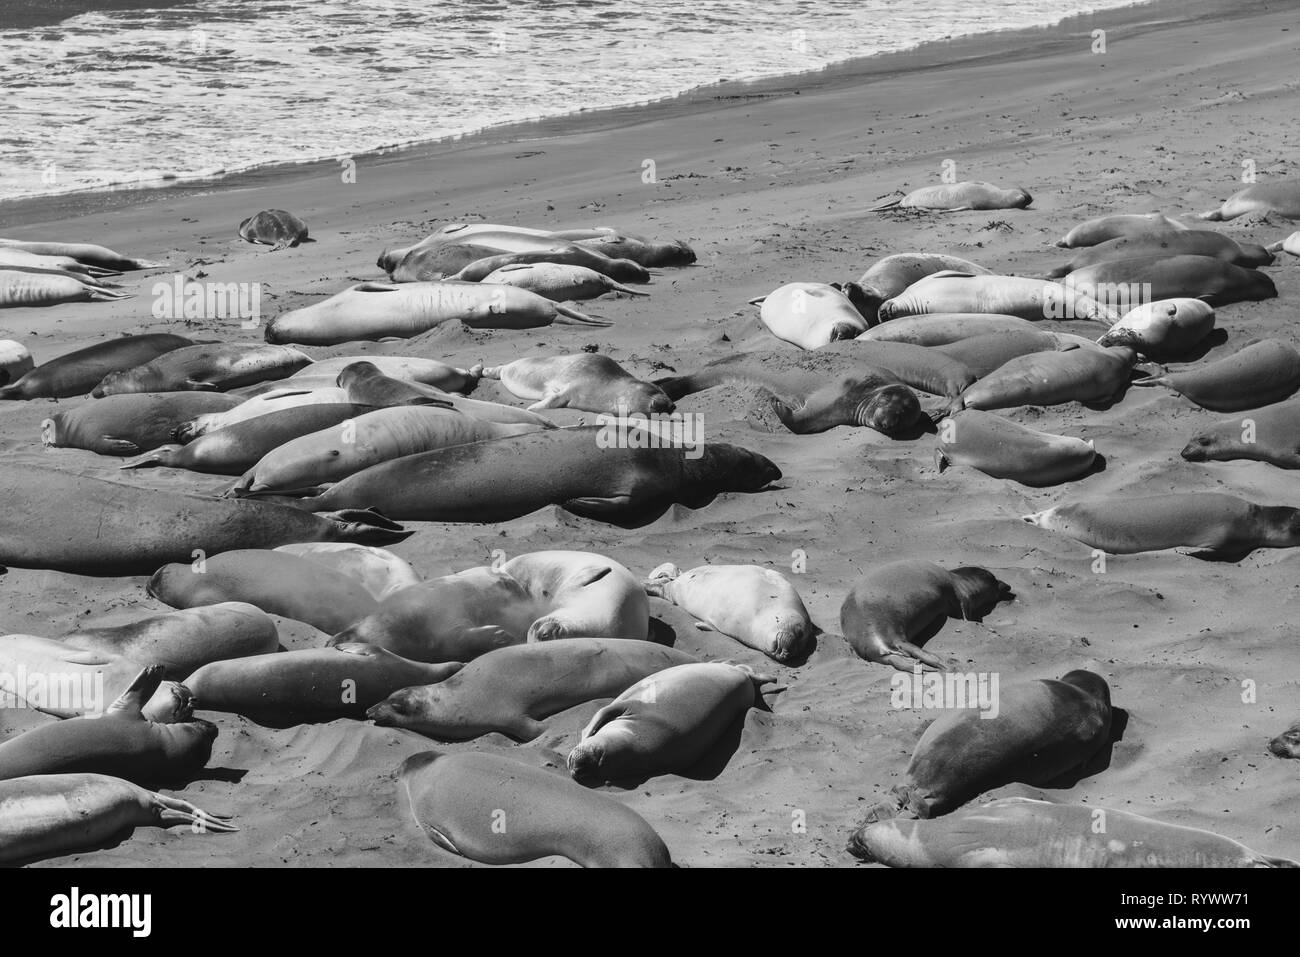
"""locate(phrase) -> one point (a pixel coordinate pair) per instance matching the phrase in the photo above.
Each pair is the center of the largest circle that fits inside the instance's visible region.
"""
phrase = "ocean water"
(124, 93)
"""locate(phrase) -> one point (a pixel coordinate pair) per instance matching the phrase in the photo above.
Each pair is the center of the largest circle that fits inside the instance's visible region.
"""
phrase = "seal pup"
(1290, 245)
(121, 742)
(1004, 449)
(460, 801)
(276, 228)
(1072, 374)
(19, 288)
(955, 197)
(79, 371)
(809, 314)
(1116, 226)
(139, 530)
(890, 276)
(1023, 832)
(987, 353)
(88, 253)
(429, 372)
(1184, 242)
(619, 270)
(1270, 434)
(512, 690)
(1277, 196)
(181, 641)
(1264, 372)
(432, 263)
(902, 603)
(665, 723)
(1220, 526)
(1127, 282)
(1032, 299)
(1037, 734)
(207, 367)
(586, 380)
(650, 253)
(378, 570)
(1163, 329)
(276, 400)
(129, 424)
(15, 361)
(758, 607)
(310, 685)
(363, 382)
(558, 282)
(46, 815)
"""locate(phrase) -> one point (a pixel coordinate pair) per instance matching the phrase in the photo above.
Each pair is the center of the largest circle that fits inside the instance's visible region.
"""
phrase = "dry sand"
(771, 183)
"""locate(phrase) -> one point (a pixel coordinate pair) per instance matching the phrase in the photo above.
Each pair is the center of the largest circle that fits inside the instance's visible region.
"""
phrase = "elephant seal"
(665, 723)
(1264, 372)
(987, 353)
(276, 228)
(19, 288)
(1003, 449)
(1022, 832)
(1039, 732)
(1279, 196)
(497, 810)
(46, 815)
(899, 603)
(77, 372)
(618, 270)
(512, 690)
(121, 742)
(279, 584)
(1075, 374)
(239, 447)
(921, 368)
(586, 380)
(181, 641)
(1290, 245)
(559, 283)
(595, 471)
(363, 382)
(308, 463)
(379, 571)
(1270, 434)
(857, 400)
(890, 276)
(954, 197)
(1032, 299)
(1287, 744)
(1160, 330)
(411, 368)
(1183, 242)
(537, 596)
(311, 685)
(1121, 225)
(758, 607)
(139, 530)
(646, 252)
(209, 367)
(88, 253)
(67, 682)
(375, 310)
(944, 328)
(130, 424)
(1133, 282)
(433, 263)
(274, 401)
(15, 361)
(1222, 526)
(809, 314)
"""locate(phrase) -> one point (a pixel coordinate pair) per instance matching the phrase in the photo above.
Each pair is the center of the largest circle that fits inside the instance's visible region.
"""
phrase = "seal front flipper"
(598, 507)
(130, 703)
(114, 446)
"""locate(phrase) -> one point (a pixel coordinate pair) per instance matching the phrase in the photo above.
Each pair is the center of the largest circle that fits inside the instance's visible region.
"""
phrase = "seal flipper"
(159, 456)
(660, 579)
(597, 507)
(121, 446)
(130, 703)
(567, 316)
(197, 385)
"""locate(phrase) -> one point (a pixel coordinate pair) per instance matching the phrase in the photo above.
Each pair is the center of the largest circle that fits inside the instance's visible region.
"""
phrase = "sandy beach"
(772, 183)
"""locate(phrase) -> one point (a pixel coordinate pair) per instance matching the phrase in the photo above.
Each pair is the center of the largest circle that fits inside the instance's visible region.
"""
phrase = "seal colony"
(650, 579)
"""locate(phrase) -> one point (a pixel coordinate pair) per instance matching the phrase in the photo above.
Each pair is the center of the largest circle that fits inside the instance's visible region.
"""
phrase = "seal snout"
(584, 761)
(1197, 450)
(390, 712)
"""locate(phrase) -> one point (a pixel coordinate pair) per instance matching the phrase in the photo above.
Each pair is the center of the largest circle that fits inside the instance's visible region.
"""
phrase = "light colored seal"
(986, 353)
(378, 570)
(943, 329)
(139, 530)
(81, 370)
(1120, 225)
(88, 253)
(586, 380)
(558, 282)
(1280, 196)
(364, 383)
(1222, 526)
(132, 423)
(276, 228)
(121, 742)
(888, 278)
(310, 685)
(19, 288)
(1004, 449)
(538, 596)
(1035, 733)
(279, 584)
(650, 253)
(1023, 832)
(1163, 329)
(756, 606)
(68, 682)
(23, 261)
(1181, 242)
(497, 810)
(1270, 434)
(46, 815)
(15, 361)
(1079, 374)
(954, 197)
(430, 372)
(1032, 299)
(208, 367)
(1264, 372)
(665, 723)
(375, 310)
(512, 690)
(810, 314)
(1289, 245)
(636, 479)
(181, 641)
(1126, 283)
(897, 607)
(440, 261)
(274, 401)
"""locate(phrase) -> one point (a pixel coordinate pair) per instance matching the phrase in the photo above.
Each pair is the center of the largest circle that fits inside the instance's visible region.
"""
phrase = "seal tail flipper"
(1214, 216)
(757, 300)
(481, 371)
(1151, 380)
(889, 205)
(171, 810)
(571, 317)
(130, 703)
(159, 456)
(100, 294)
(659, 579)
(144, 264)
(1279, 862)
(366, 526)
(626, 290)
